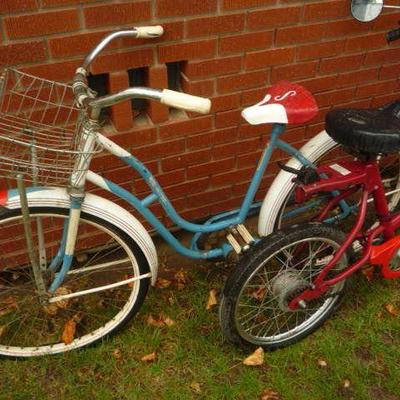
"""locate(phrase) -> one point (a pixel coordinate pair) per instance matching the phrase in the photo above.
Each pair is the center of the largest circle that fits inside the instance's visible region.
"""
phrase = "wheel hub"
(286, 286)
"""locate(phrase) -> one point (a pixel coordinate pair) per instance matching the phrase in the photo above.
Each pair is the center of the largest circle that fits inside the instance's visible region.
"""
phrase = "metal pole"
(29, 238)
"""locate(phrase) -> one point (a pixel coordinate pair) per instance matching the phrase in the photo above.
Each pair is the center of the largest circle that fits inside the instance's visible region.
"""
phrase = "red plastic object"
(3, 197)
(383, 254)
(298, 102)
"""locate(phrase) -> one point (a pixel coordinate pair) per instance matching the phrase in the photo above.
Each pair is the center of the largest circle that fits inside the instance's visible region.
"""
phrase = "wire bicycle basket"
(42, 133)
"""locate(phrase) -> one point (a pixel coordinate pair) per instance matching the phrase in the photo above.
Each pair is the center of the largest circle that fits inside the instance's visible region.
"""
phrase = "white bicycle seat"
(285, 103)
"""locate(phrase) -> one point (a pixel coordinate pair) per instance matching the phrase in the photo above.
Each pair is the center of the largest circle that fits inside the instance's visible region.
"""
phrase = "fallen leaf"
(322, 363)
(62, 291)
(269, 394)
(126, 277)
(162, 283)
(69, 331)
(158, 322)
(7, 305)
(259, 294)
(196, 387)
(181, 279)
(51, 309)
(212, 299)
(392, 310)
(117, 354)
(149, 357)
(70, 328)
(2, 329)
(346, 383)
(257, 358)
(368, 272)
(169, 322)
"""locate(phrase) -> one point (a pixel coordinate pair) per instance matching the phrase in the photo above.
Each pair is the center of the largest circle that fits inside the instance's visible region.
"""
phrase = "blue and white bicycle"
(73, 259)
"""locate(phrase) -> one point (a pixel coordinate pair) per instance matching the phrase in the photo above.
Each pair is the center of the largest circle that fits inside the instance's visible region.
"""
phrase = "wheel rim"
(27, 327)
(259, 316)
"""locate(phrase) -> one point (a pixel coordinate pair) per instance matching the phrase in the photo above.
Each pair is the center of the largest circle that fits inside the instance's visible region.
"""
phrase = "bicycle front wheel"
(105, 257)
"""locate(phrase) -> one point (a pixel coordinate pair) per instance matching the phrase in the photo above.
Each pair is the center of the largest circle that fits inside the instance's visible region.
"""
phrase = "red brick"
(121, 113)
(239, 4)
(227, 102)
(378, 88)
(253, 96)
(71, 45)
(273, 18)
(157, 150)
(326, 10)
(380, 57)
(18, 53)
(299, 34)
(54, 3)
(215, 25)
(170, 8)
(139, 136)
(214, 67)
(365, 42)
(122, 61)
(209, 197)
(209, 139)
(242, 81)
(204, 88)
(227, 118)
(320, 50)
(295, 71)
(117, 14)
(335, 97)
(244, 42)
(236, 176)
(345, 63)
(63, 71)
(187, 188)
(385, 22)
(385, 99)
(268, 58)
(210, 168)
(389, 71)
(357, 77)
(11, 6)
(41, 24)
(186, 159)
(344, 28)
(186, 127)
(187, 51)
(320, 84)
(157, 78)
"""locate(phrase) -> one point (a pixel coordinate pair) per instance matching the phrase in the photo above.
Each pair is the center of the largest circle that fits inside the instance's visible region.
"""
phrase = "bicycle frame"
(349, 177)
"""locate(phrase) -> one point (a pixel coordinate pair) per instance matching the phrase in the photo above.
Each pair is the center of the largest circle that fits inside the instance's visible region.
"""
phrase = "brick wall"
(228, 50)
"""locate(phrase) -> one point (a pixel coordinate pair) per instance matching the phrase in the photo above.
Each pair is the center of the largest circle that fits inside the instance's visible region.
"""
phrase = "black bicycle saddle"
(371, 131)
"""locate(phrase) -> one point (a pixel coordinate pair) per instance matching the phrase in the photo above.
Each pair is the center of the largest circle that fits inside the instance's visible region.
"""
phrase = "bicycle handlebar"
(84, 95)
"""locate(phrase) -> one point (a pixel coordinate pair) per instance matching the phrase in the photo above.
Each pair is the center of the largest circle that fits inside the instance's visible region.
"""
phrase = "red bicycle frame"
(350, 177)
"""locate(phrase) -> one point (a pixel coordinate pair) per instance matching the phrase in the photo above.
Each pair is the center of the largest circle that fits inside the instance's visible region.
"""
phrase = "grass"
(361, 343)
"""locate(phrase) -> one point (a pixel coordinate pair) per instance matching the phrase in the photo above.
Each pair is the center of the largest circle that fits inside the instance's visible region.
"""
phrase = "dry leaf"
(169, 322)
(61, 291)
(322, 363)
(126, 277)
(196, 387)
(257, 358)
(392, 310)
(70, 328)
(259, 294)
(7, 305)
(117, 354)
(149, 357)
(269, 394)
(2, 329)
(346, 383)
(212, 299)
(158, 322)
(51, 309)
(369, 273)
(162, 283)
(181, 279)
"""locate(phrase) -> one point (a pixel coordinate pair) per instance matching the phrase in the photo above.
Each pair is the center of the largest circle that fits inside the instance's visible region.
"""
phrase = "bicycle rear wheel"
(105, 256)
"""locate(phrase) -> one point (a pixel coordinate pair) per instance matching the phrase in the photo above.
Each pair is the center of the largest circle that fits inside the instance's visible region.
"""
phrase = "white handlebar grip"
(149, 31)
(186, 101)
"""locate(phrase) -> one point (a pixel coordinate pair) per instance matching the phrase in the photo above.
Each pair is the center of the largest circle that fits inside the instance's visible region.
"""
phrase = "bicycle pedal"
(240, 238)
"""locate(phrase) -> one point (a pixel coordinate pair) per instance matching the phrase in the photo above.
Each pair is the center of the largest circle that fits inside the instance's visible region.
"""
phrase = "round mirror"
(366, 10)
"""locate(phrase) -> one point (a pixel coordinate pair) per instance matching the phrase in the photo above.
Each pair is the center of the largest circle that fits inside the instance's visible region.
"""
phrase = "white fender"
(99, 207)
(282, 184)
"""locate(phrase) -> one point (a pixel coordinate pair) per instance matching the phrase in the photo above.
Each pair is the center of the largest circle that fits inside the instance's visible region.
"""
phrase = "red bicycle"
(292, 280)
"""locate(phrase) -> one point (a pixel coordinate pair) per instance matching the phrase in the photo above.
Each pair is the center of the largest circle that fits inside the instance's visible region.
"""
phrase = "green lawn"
(361, 344)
